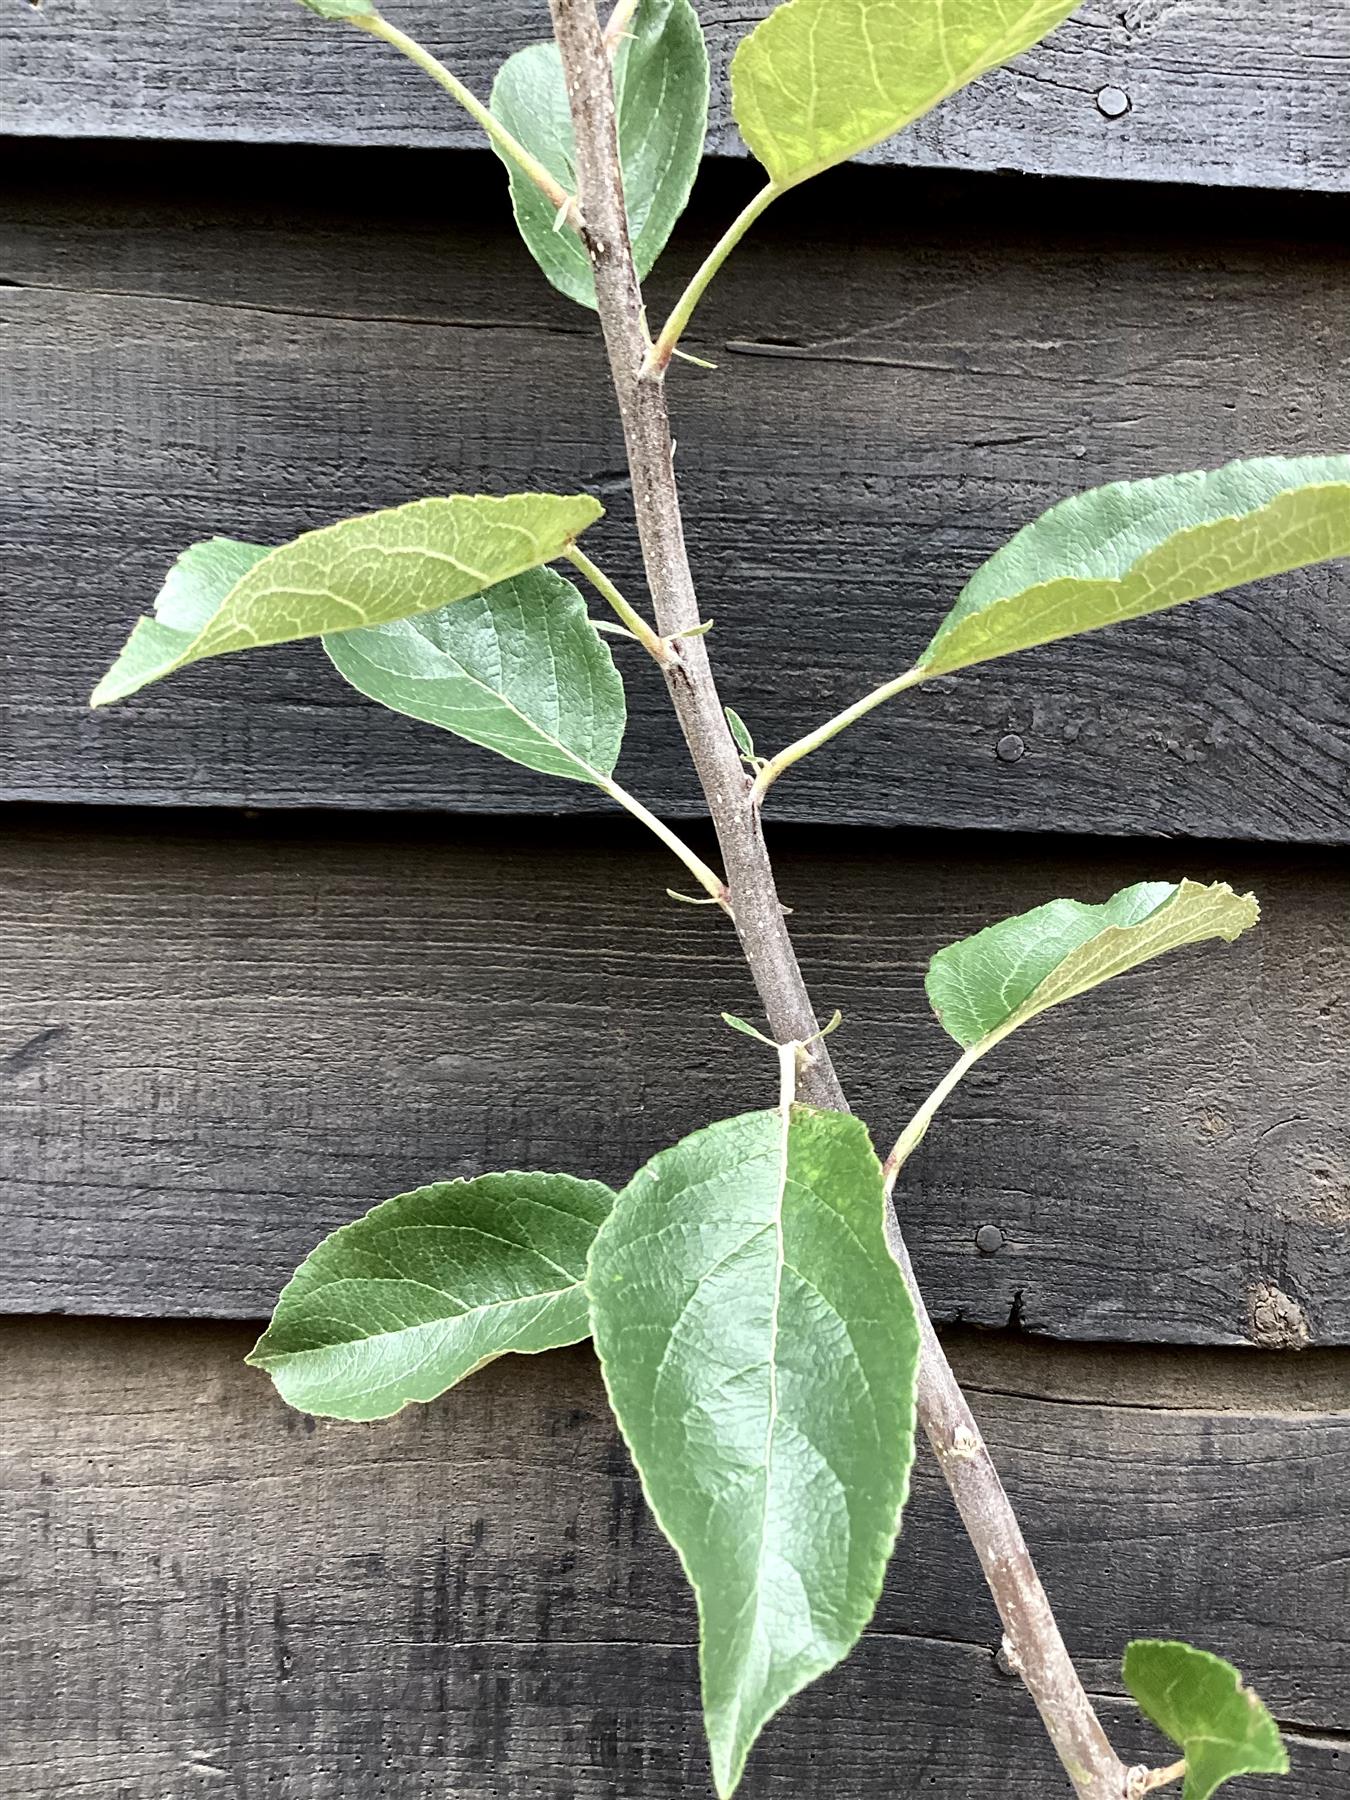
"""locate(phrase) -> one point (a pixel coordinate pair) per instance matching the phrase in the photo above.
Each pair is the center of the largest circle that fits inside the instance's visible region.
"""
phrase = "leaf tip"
(109, 688)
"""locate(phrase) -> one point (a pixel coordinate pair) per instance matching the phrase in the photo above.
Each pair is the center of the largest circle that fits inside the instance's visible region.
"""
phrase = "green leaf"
(341, 9)
(987, 985)
(519, 669)
(741, 732)
(760, 1349)
(661, 93)
(1199, 1701)
(221, 596)
(820, 80)
(746, 1029)
(1138, 547)
(428, 1287)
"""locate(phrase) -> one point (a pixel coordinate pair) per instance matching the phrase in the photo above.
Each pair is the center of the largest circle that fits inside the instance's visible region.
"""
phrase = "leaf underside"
(661, 99)
(1137, 547)
(987, 985)
(519, 669)
(1199, 1701)
(760, 1350)
(222, 596)
(428, 1287)
(818, 81)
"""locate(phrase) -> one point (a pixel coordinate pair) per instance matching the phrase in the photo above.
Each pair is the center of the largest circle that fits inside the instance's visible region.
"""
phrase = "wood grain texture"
(213, 1595)
(1210, 92)
(218, 1047)
(183, 365)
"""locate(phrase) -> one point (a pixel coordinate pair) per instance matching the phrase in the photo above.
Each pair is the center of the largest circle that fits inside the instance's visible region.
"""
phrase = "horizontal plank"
(181, 365)
(1205, 93)
(212, 1594)
(184, 364)
(218, 1047)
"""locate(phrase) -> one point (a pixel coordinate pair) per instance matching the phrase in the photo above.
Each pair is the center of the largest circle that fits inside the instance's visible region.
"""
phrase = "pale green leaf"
(987, 985)
(746, 1029)
(519, 669)
(221, 596)
(740, 731)
(819, 81)
(1200, 1702)
(193, 592)
(760, 1350)
(428, 1287)
(341, 9)
(1138, 547)
(661, 95)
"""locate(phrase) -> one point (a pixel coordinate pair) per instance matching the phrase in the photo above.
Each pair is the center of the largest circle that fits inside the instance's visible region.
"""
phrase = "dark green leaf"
(519, 669)
(760, 1350)
(1199, 1701)
(1138, 547)
(820, 80)
(987, 985)
(221, 596)
(661, 91)
(430, 1286)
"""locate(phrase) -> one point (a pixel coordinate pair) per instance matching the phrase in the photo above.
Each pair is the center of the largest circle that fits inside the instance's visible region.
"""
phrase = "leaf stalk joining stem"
(617, 28)
(658, 356)
(708, 879)
(1144, 1780)
(656, 646)
(510, 146)
(775, 766)
(913, 1134)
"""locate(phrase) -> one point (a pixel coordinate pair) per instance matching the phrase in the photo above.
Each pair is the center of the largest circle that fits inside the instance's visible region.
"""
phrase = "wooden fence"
(268, 955)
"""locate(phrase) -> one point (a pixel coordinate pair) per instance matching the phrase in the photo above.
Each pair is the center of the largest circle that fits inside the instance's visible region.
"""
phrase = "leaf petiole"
(633, 620)
(775, 765)
(659, 355)
(616, 30)
(1150, 1780)
(710, 882)
(913, 1134)
(509, 145)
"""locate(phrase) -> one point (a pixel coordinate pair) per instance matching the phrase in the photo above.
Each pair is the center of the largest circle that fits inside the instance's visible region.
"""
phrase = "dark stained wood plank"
(218, 1047)
(1206, 92)
(187, 365)
(209, 1593)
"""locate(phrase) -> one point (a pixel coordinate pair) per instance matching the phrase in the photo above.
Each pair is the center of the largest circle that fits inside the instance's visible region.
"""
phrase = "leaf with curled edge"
(661, 106)
(760, 1349)
(987, 985)
(428, 1287)
(818, 81)
(222, 596)
(1138, 547)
